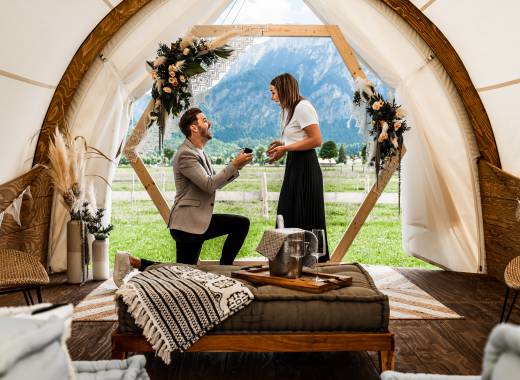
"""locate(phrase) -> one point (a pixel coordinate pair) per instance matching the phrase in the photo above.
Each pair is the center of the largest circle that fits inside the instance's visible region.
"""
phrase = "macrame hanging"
(200, 85)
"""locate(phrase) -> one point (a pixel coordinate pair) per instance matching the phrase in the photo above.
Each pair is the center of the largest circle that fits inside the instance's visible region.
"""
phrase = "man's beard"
(205, 134)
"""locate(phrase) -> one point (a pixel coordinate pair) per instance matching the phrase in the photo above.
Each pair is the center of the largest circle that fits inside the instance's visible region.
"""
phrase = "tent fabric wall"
(473, 27)
(486, 36)
(100, 110)
(441, 204)
(31, 67)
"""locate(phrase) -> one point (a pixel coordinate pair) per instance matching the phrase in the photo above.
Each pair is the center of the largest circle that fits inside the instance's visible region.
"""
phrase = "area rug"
(98, 305)
(407, 301)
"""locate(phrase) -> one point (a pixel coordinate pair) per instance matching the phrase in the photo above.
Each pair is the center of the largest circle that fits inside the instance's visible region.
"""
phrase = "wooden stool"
(512, 279)
(21, 272)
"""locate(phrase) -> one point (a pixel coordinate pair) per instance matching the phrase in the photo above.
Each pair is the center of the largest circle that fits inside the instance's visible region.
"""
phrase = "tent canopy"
(442, 220)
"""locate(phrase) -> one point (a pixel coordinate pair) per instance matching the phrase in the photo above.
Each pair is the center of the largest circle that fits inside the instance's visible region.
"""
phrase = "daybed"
(353, 318)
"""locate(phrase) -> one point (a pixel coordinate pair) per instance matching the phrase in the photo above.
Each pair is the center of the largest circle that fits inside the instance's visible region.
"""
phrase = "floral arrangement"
(172, 70)
(387, 123)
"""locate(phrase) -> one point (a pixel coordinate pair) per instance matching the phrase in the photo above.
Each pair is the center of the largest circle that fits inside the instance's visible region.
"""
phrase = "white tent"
(442, 220)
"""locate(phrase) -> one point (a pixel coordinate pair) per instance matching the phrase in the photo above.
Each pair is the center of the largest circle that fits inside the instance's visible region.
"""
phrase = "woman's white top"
(293, 130)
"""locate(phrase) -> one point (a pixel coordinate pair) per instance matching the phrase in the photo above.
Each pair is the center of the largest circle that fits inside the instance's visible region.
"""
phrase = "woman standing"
(301, 198)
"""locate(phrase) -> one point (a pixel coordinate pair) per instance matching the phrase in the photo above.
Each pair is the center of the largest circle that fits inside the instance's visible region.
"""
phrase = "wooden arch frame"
(126, 9)
(140, 130)
(326, 31)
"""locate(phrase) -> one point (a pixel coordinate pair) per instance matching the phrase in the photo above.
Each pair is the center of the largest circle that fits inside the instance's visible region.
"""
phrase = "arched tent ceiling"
(28, 83)
(40, 38)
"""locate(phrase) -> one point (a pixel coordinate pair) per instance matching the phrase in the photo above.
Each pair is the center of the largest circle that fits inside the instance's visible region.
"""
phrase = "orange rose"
(382, 137)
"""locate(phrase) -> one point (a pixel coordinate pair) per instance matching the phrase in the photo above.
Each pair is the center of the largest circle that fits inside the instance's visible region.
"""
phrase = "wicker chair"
(512, 279)
(21, 272)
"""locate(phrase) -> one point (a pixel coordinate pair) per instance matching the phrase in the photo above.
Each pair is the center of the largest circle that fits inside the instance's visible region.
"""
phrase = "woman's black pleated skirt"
(301, 198)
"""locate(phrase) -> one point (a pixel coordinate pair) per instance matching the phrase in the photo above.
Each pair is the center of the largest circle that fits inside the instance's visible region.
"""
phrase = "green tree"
(168, 154)
(259, 154)
(329, 150)
(342, 154)
(219, 161)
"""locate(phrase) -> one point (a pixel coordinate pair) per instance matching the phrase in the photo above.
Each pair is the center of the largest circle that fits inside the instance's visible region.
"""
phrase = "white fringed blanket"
(176, 305)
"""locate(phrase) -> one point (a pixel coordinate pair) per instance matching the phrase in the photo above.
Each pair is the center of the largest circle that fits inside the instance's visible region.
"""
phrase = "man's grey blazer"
(196, 183)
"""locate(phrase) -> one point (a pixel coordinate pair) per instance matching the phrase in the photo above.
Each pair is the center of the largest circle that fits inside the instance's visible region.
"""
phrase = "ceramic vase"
(100, 269)
(75, 246)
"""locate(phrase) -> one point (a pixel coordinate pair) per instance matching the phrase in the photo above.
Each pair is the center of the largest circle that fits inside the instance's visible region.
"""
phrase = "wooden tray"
(306, 283)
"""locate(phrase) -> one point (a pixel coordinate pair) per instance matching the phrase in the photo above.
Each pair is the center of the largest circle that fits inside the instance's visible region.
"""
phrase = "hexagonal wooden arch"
(331, 31)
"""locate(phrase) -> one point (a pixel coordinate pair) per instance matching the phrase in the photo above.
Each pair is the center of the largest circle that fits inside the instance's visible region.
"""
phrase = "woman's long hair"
(288, 93)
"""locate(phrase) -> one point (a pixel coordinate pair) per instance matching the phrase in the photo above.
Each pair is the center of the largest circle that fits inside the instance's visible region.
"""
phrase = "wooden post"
(130, 151)
(133, 189)
(163, 181)
(264, 196)
(366, 207)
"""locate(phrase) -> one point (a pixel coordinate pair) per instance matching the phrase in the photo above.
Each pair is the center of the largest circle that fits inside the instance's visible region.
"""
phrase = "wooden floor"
(439, 346)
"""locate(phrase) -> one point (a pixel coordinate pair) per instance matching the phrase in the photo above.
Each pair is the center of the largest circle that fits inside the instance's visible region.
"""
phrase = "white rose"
(400, 112)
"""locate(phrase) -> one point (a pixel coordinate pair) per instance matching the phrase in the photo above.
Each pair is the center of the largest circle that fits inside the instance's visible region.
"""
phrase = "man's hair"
(187, 119)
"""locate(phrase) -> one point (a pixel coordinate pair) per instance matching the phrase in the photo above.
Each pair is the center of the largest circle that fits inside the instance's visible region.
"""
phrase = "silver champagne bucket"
(285, 265)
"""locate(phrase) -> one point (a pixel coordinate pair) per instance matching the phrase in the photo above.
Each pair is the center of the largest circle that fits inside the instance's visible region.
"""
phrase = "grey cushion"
(129, 369)
(360, 307)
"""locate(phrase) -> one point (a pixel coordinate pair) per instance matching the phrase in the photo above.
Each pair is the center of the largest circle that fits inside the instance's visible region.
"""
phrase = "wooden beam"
(499, 193)
(331, 31)
(382, 342)
(259, 30)
(130, 151)
(346, 52)
(366, 207)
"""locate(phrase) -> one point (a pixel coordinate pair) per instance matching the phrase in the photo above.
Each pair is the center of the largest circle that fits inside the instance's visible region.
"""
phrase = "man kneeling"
(191, 219)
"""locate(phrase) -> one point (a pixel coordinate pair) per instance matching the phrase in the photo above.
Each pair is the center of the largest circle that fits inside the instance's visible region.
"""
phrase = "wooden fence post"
(264, 196)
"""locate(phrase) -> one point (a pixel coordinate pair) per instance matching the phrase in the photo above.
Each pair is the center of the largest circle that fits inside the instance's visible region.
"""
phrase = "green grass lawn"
(140, 230)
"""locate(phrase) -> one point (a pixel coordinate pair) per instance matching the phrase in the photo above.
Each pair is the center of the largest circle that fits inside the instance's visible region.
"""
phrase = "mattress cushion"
(359, 307)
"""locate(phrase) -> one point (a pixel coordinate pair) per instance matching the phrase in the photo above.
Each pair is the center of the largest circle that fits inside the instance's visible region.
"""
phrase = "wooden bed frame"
(383, 343)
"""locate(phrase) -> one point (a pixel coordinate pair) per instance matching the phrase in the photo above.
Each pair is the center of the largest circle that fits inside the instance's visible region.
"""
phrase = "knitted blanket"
(176, 305)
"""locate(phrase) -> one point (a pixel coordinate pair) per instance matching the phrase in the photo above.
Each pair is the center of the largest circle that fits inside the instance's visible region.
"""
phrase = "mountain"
(240, 104)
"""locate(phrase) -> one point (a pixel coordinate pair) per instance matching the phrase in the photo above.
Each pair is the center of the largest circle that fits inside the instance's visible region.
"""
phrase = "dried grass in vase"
(68, 158)
(67, 169)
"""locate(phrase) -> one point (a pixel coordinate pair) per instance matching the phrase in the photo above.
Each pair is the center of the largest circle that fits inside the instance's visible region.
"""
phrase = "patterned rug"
(407, 301)
(98, 305)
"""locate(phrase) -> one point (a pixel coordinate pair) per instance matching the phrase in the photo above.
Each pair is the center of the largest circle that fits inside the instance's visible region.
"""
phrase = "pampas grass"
(223, 39)
(68, 158)
(67, 169)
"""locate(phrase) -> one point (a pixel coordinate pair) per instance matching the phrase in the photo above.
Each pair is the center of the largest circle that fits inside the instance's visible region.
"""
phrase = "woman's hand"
(273, 144)
(275, 153)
